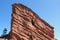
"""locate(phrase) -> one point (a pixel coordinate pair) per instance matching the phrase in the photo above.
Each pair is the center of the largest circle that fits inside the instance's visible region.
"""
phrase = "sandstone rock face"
(27, 25)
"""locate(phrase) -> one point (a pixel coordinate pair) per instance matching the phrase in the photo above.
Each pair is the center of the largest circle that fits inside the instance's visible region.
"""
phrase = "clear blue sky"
(49, 10)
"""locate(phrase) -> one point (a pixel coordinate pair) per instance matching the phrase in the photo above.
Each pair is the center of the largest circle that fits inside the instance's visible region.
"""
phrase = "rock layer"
(27, 25)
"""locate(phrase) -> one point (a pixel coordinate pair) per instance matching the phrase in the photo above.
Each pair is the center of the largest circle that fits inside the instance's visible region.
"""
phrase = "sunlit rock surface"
(27, 25)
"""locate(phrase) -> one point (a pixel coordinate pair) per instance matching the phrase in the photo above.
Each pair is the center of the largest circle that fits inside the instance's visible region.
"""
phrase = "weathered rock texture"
(26, 25)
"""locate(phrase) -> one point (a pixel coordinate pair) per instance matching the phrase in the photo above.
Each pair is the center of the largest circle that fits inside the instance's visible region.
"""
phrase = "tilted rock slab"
(26, 25)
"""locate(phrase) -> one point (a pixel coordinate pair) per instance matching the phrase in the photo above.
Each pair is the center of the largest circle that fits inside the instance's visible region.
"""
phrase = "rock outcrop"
(27, 25)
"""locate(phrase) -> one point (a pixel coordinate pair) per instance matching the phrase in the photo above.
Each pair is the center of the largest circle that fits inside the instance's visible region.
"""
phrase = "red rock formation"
(27, 25)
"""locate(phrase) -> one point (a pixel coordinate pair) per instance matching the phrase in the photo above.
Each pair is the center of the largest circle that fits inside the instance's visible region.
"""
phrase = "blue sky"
(49, 10)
